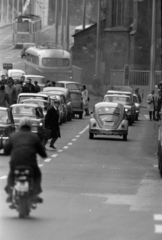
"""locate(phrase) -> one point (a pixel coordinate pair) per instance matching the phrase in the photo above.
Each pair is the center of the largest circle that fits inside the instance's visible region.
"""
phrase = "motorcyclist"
(23, 147)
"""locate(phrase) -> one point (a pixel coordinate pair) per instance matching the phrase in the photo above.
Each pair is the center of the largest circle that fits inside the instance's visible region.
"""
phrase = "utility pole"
(56, 22)
(84, 14)
(67, 25)
(152, 52)
(62, 23)
(97, 65)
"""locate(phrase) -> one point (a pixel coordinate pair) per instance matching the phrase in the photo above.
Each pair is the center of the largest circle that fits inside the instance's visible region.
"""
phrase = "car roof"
(34, 100)
(22, 104)
(68, 82)
(50, 89)
(15, 70)
(117, 95)
(32, 94)
(53, 93)
(108, 104)
(118, 91)
(28, 75)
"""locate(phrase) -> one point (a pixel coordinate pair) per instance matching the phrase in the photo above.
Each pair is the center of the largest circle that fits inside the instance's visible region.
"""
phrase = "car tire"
(81, 115)
(125, 137)
(91, 135)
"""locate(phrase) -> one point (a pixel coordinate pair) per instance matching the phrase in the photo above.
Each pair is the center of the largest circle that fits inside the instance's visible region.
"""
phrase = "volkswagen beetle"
(108, 119)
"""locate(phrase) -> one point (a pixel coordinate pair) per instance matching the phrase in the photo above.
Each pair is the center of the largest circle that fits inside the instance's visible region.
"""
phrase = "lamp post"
(97, 64)
(84, 13)
(62, 23)
(152, 52)
(56, 22)
(67, 25)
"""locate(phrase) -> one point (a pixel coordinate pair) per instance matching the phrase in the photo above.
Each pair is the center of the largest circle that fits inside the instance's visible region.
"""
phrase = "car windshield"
(3, 116)
(104, 111)
(117, 99)
(18, 111)
(75, 96)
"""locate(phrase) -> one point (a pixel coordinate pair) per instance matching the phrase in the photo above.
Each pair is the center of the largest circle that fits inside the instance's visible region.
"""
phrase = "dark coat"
(4, 99)
(52, 122)
(23, 147)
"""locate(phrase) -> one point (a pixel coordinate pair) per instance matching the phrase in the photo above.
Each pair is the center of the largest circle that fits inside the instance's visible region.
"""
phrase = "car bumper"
(108, 132)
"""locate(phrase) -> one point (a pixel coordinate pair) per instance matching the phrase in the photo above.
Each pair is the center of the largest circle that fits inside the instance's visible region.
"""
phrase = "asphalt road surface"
(103, 188)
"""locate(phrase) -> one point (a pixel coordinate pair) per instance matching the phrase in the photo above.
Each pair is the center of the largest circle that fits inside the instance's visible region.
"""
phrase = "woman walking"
(151, 105)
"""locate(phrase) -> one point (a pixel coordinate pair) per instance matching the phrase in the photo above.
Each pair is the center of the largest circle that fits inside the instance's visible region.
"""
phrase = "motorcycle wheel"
(23, 207)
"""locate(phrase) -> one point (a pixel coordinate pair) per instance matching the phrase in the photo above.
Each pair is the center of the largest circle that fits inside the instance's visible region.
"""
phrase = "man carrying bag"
(52, 129)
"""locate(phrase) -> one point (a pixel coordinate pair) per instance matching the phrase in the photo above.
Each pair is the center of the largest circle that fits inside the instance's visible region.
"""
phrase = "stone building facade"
(125, 38)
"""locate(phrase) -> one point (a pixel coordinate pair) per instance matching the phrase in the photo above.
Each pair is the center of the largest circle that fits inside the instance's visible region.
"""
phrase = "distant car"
(40, 79)
(69, 85)
(7, 125)
(137, 105)
(44, 104)
(33, 111)
(128, 93)
(66, 93)
(77, 102)
(23, 96)
(108, 119)
(15, 73)
(25, 47)
(126, 101)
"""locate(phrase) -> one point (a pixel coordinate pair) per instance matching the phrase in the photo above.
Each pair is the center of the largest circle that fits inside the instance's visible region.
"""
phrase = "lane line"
(40, 165)
(155, 166)
(77, 136)
(70, 144)
(158, 228)
(66, 147)
(85, 129)
(47, 160)
(158, 217)
(60, 151)
(6, 38)
(146, 116)
(47, 28)
(54, 155)
(73, 139)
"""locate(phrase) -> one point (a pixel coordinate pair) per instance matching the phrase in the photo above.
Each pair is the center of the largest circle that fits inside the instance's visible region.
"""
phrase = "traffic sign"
(7, 66)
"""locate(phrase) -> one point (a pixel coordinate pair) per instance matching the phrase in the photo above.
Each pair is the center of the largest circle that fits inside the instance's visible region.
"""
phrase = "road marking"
(146, 116)
(84, 129)
(17, 63)
(9, 57)
(73, 139)
(158, 217)
(40, 165)
(54, 155)
(47, 160)
(66, 147)
(155, 166)
(158, 228)
(70, 144)
(60, 150)
(77, 136)
(3, 177)
(6, 38)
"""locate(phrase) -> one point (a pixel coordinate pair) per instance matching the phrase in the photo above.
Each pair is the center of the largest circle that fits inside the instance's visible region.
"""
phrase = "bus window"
(23, 26)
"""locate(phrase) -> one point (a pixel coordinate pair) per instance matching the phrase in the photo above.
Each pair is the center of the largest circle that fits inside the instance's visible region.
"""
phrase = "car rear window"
(108, 110)
(75, 96)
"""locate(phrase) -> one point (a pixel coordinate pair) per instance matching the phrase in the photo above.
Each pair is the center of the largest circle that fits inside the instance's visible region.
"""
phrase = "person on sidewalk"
(10, 90)
(151, 105)
(52, 122)
(85, 96)
(36, 87)
(4, 98)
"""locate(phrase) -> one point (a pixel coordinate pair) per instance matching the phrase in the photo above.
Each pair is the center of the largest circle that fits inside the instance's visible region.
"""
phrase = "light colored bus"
(52, 63)
(26, 29)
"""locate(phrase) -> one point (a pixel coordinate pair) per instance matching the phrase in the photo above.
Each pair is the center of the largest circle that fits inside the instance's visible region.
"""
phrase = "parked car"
(137, 105)
(23, 96)
(69, 85)
(25, 47)
(44, 104)
(77, 102)
(15, 73)
(7, 125)
(126, 101)
(108, 119)
(128, 93)
(66, 93)
(40, 79)
(33, 111)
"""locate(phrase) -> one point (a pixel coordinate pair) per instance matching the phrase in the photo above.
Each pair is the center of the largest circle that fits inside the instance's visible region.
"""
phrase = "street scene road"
(103, 188)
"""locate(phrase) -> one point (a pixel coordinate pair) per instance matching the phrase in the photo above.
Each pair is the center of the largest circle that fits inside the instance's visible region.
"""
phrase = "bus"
(52, 63)
(26, 29)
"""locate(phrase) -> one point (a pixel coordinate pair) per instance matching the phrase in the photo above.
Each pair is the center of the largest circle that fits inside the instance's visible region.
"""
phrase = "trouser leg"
(53, 141)
(10, 182)
(37, 180)
(150, 113)
(44, 142)
(153, 115)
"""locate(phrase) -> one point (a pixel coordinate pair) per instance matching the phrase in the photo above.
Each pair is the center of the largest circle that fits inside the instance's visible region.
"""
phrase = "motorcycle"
(22, 191)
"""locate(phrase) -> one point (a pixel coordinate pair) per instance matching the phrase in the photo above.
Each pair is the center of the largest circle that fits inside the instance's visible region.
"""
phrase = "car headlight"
(40, 124)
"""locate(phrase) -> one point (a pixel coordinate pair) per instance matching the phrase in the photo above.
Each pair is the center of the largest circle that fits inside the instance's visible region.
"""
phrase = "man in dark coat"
(36, 87)
(52, 122)
(23, 147)
(4, 98)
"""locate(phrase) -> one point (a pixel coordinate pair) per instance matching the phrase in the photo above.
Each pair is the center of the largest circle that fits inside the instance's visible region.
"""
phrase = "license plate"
(109, 123)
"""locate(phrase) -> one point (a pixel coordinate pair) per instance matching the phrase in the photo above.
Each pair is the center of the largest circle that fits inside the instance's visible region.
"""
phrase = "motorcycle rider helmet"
(25, 122)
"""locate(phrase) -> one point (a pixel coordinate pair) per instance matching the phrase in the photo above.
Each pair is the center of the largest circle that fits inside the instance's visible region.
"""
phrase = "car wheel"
(81, 115)
(91, 135)
(125, 137)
